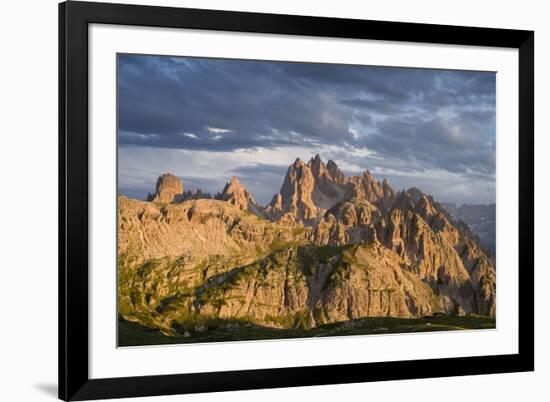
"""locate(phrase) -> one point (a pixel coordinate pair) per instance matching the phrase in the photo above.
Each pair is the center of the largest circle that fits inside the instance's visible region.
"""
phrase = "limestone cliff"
(295, 200)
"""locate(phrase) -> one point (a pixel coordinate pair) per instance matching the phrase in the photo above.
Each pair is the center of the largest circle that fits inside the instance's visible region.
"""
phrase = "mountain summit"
(310, 189)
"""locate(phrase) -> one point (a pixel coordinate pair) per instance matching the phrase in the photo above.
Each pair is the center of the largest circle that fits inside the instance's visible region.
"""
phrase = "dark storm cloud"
(407, 119)
(175, 103)
(434, 143)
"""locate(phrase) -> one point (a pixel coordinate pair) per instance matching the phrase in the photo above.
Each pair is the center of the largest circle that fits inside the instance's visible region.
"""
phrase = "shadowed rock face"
(481, 219)
(335, 173)
(323, 256)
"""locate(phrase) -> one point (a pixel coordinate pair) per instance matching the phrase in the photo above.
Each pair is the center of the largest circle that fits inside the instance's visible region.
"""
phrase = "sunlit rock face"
(236, 194)
(168, 188)
(328, 248)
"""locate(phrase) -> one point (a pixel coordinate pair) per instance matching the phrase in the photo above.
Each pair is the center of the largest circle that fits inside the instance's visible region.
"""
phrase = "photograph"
(267, 199)
(275, 201)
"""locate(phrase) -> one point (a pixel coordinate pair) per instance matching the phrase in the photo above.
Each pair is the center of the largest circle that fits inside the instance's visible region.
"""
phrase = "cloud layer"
(434, 128)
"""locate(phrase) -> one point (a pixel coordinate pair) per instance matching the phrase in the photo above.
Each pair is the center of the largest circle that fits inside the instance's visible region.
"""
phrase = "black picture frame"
(74, 381)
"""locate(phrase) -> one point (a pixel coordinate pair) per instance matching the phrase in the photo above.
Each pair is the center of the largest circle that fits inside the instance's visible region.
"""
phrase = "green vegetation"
(325, 253)
(132, 334)
(279, 245)
(178, 300)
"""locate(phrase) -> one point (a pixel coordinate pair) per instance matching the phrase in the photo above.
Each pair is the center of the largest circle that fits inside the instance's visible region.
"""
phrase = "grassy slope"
(132, 334)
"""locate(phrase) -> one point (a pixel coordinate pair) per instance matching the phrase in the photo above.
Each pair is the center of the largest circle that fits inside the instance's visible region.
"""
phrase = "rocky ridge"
(333, 248)
(480, 219)
(310, 189)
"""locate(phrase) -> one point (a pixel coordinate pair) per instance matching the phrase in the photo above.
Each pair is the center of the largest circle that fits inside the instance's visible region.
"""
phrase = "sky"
(206, 120)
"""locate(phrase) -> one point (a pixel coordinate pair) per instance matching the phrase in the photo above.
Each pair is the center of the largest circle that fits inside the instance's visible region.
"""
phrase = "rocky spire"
(424, 208)
(415, 194)
(276, 203)
(403, 202)
(296, 191)
(317, 166)
(236, 194)
(335, 173)
(365, 187)
(386, 189)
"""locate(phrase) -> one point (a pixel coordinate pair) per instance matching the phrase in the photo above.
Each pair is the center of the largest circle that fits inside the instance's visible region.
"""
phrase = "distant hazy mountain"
(480, 218)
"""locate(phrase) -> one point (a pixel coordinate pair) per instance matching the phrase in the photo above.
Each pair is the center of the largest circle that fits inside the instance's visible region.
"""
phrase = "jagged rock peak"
(335, 172)
(424, 207)
(309, 189)
(403, 202)
(330, 171)
(168, 188)
(388, 191)
(276, 202)
(366, 187)
(317, 166)
(296, 192)
(232, 186)
(316, 159)
(236, 194)
(415, 194)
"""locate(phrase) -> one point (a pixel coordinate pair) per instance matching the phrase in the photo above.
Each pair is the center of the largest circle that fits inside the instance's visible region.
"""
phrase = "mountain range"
(328, 248)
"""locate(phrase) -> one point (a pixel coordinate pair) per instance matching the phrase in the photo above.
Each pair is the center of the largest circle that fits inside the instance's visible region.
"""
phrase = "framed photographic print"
(257, 201)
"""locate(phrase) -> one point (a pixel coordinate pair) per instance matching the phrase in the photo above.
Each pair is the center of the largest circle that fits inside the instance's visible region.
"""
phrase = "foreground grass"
(132, 334)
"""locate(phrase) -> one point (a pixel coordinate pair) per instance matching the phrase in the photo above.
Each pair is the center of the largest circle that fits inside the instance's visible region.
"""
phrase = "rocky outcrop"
(348, 222)
(329, 184)
(168, 189)
(310, 189)
(206, 260)
(236, 194)
(335, 173)
(306, 287)
(295, 198)
(426, 242)
(198, 228)
(367, 281)
(275, 208)
(365, 187)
